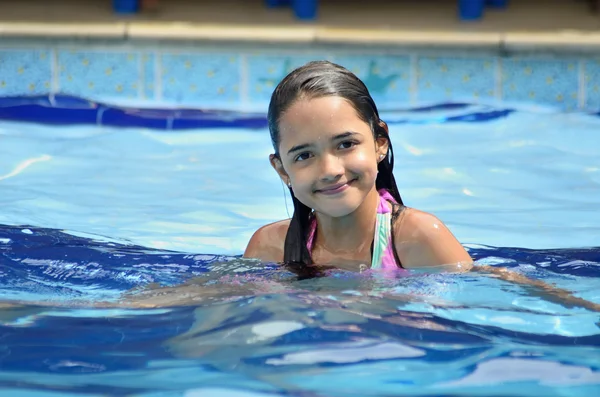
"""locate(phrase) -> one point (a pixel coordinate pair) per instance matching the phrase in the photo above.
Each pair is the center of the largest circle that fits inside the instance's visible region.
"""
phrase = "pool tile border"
(390, 62)
(567, 40)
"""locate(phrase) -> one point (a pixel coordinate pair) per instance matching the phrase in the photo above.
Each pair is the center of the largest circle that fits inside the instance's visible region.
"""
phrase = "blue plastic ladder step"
(278, 3)
(306, 9)
(126, 6)
(469, 10)
(303, 9)
(497, 3)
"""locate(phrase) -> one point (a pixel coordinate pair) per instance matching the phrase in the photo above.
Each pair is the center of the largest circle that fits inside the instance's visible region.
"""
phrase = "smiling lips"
(335, 189)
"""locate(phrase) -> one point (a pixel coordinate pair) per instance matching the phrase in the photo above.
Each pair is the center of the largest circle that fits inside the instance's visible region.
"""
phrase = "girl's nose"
(331, 168)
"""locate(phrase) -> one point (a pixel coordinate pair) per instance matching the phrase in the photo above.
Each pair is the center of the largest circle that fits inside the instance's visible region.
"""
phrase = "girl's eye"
(302, 156)
(347, 144)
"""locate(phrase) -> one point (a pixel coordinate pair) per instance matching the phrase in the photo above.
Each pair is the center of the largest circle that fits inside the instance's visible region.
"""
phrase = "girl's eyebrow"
(334, 138)
(298, 148)
(344, 135)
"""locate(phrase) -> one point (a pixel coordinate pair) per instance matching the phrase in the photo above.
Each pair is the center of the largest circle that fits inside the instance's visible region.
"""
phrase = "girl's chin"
(338, 209)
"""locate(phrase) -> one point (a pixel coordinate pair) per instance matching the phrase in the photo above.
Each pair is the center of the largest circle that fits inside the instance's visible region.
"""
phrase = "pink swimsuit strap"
(389, 258)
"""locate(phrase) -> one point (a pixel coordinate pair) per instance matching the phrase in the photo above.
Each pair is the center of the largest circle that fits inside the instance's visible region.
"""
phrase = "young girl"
(334, 153)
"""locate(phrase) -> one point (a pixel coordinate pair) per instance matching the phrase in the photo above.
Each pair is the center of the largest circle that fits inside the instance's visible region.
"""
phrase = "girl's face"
(328, 154)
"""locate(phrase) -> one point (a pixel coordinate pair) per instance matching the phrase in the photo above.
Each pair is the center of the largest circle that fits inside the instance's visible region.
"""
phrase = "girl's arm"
(267, 243)
(429, 245)
(423, 241)
(539, 288)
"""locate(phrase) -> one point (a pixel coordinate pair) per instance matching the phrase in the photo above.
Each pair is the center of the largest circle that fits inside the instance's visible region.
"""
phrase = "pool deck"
(558, 25)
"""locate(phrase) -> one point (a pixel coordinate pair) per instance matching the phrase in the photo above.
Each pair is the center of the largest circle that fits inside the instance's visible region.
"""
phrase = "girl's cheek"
(363, 161)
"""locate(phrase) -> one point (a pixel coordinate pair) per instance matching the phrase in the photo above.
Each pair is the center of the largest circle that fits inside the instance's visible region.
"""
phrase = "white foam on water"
(507, 370)
(350, 353)
(274, 329)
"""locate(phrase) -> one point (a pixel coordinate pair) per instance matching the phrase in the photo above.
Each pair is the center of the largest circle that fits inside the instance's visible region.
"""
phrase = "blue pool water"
(121, 243)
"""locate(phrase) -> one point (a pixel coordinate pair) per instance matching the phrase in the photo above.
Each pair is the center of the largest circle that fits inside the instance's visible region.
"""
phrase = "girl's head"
(331, 148)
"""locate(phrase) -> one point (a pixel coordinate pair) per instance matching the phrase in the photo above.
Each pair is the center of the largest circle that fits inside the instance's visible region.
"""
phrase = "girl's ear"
(382, 143)
(278, 167)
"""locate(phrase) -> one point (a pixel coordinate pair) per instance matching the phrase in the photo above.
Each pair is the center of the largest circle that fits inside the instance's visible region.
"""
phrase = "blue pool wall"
(242, 77)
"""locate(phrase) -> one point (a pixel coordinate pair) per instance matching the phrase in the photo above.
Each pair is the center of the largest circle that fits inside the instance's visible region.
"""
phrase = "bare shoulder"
(423, 240)
(414, 223)
(267, 243)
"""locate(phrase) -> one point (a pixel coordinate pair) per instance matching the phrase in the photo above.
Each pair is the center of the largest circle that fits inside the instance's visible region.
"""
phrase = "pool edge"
(308, 34)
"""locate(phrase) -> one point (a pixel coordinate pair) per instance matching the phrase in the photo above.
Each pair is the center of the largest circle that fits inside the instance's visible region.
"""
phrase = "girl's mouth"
(335, 189)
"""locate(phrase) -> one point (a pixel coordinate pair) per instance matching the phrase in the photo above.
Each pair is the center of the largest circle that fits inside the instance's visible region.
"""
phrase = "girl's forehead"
(321, 107)
(320, 118)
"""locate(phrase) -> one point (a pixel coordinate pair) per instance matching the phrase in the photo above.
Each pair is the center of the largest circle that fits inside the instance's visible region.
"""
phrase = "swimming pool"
(94, 212)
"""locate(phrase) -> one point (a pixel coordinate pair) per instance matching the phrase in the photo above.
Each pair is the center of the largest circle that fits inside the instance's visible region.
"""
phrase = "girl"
(334, 153)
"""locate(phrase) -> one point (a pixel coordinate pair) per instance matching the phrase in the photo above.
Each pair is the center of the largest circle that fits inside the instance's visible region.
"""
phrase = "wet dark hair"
(316, 80)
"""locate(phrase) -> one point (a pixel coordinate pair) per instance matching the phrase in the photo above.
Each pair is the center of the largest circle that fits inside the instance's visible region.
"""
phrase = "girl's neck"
(350, 233)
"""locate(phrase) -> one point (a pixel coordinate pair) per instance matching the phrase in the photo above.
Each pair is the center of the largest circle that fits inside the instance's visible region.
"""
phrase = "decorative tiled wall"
(446, 78)
(206, 79)
(98, 75)
(535, 80)
(25, 72)
(591, 84)
(244, 79)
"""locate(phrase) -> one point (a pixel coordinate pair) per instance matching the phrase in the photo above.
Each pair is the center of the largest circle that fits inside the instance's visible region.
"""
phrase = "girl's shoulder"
(422, 240)
(267, 243)
(410, 221)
